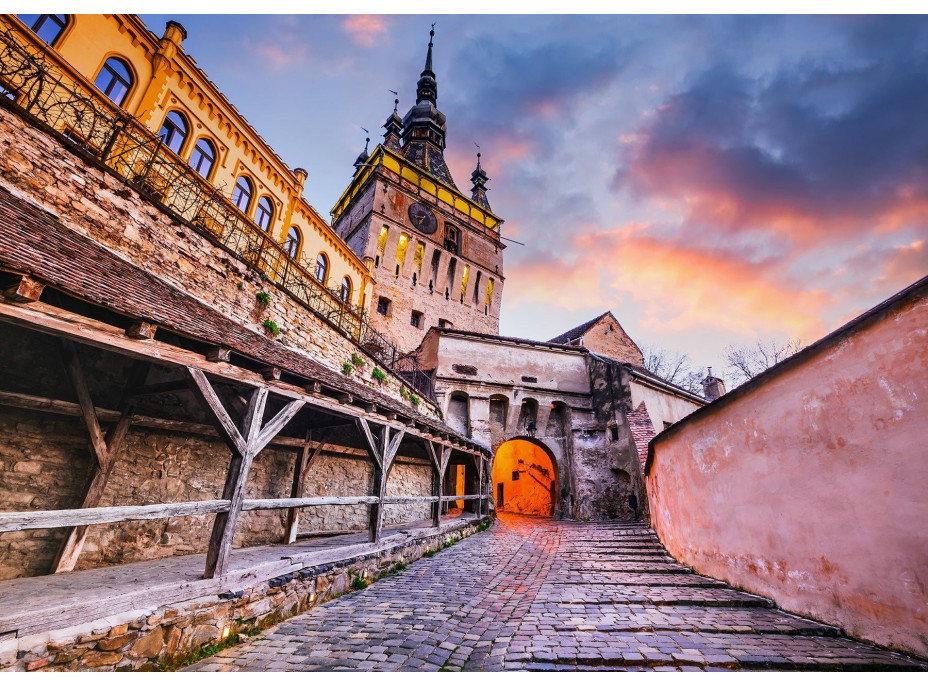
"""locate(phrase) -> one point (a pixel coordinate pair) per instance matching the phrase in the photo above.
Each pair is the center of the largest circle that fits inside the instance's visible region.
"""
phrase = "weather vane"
(396, 101)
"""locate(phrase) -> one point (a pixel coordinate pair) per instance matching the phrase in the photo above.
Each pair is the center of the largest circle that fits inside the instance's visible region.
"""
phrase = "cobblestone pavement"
(538, 594)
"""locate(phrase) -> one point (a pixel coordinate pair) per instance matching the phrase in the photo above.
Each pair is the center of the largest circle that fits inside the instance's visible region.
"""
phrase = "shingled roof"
(35, 242)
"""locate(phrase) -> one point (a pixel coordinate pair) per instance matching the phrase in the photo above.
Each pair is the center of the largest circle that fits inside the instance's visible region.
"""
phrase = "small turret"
(479, 192)
(362, 158)
(394, 129)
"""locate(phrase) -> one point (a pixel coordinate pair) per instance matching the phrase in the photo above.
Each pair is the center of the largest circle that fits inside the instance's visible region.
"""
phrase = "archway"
(525, 478)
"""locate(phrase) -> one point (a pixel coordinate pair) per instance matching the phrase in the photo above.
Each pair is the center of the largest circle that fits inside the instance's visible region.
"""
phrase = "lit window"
(382, 241)
(383, 306)
(115, 80)
(174, 131)
(292, 244)
(416, 319)
(322, 268)
(48, 27)
(401, 252)
(346, 290)
(417, 259)
(489, 292)
(241, 196)
(264, 213)
(464, 279)
(203, 157)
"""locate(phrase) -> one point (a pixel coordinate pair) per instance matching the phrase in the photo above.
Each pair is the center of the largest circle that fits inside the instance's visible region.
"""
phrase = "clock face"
(423, 218)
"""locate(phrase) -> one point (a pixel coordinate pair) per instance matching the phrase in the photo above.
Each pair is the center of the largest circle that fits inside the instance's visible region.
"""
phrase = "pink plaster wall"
(811, 488)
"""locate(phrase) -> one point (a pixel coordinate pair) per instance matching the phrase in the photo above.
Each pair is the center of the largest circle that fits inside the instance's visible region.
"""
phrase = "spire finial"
(428, 56)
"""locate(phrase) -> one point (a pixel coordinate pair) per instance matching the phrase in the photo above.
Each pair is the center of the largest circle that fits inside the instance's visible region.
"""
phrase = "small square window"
(614, 431)
(515, 476)
(383, 306)
(416, 319)
(444, 324)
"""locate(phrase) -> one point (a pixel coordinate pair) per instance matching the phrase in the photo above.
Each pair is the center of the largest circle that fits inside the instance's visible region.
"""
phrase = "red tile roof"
(642, 431)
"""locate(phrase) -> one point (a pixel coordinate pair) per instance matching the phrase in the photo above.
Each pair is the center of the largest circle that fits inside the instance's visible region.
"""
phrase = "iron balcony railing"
(86, 119)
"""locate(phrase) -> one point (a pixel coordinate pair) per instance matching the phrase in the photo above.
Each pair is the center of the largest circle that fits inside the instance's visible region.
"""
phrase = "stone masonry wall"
(97, 204)
(44, 460)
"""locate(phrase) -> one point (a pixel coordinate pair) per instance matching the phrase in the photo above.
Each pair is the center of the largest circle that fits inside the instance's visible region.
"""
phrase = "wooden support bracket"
(24, 289)
(271, 373)
(141, 330)
(218, 354)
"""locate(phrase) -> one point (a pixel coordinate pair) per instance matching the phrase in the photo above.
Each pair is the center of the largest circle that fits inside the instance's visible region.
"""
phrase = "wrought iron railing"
(87, 120)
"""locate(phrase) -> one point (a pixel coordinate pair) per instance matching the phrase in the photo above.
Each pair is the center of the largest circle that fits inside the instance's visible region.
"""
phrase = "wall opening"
(524, 479)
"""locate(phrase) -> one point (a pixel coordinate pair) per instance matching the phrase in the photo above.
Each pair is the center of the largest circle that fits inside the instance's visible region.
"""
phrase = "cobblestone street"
(539, 594)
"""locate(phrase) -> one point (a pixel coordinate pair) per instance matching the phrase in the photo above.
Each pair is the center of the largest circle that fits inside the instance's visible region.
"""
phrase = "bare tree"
(673, 367)
(746, 362)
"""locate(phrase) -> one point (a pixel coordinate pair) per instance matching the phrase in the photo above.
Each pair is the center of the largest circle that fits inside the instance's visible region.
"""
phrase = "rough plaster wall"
(823, 468)
(608, 338)
(662, 407)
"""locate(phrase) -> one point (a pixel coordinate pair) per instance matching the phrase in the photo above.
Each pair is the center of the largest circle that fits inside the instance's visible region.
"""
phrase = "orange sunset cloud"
(365, 29)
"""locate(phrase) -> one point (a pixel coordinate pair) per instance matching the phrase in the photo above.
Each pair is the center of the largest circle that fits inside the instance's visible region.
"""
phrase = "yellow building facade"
(153, 80)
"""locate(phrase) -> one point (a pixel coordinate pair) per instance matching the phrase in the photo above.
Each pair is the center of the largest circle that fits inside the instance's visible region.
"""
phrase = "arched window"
(241, 196)
(174, 130)
(292, 245)
(203, 157)
(264, 214)
(322, 268)
(346, 290)
(115, 80)
(48, 27)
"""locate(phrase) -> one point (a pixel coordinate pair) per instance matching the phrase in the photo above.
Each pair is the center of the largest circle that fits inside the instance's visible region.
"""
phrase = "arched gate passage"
(525, 478)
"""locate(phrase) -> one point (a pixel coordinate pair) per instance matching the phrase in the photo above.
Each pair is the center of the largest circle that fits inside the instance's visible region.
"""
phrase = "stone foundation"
(165, 635)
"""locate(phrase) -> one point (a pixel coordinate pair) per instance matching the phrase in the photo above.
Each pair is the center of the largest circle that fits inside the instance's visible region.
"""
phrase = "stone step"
(558, 616)
(635, 579)
(654, 595)
(728, 651)
(640, 567)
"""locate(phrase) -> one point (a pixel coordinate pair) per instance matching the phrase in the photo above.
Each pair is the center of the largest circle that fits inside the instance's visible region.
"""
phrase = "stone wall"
(44, 460)
(95, 203)
(807, 485)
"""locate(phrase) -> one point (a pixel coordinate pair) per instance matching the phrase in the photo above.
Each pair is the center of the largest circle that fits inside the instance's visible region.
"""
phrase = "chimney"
(712, 387)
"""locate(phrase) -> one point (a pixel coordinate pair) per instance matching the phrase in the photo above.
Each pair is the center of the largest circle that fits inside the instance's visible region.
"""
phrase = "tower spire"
(479, 178)
(427, 88)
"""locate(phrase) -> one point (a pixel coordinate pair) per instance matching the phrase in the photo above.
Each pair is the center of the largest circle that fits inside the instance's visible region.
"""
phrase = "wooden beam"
(304, 461)
(370, 443)
(105, 449)
(75, 372)
(85, 516)
(317, 501)
(220, 542)
(218, 415)
(24, 289)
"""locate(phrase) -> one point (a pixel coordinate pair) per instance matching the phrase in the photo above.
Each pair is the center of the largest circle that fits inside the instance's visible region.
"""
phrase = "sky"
(711, 180)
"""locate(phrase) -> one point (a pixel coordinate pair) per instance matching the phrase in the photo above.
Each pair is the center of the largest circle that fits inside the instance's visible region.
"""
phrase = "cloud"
(365, 29)
(275, 54)
(679, 288)
(816, 151)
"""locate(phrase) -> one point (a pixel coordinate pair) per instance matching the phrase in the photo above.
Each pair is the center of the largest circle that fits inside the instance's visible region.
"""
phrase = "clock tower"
(435, 253)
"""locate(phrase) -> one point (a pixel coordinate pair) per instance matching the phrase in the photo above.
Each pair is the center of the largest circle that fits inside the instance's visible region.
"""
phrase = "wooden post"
(304, 461)
(103, 448)
(480, 488)
(244, 449)
(437, 481)
(382, 453)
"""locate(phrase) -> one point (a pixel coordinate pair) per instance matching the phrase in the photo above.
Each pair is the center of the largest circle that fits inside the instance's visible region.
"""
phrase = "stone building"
(559, 418)
(436, 254)
(154, 80)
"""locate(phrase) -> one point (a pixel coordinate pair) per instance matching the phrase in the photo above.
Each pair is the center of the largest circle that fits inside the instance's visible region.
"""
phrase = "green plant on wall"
(263, 298)
(357, 360)
(414, 399)
(347, 368)
(272, 327)
(378, 374)
(404, 393)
